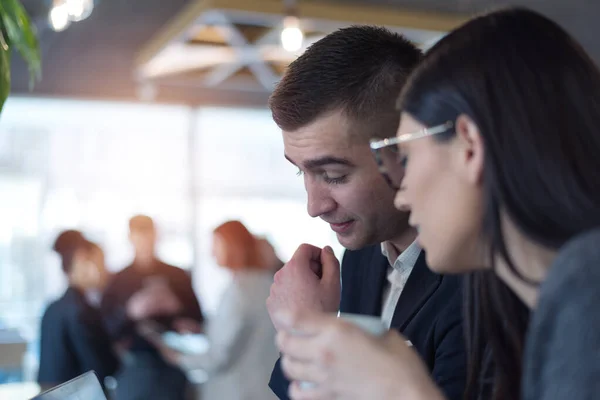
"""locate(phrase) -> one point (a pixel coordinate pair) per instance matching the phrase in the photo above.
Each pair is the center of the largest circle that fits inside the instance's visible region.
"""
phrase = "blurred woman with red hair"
(242, 338)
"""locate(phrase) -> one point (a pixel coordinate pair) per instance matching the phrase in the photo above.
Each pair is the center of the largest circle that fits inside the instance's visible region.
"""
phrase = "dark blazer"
(145, 375)
(429, 314)
(131, 279)
(73, 341)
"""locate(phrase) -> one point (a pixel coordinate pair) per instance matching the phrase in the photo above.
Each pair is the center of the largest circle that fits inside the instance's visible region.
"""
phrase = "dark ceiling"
(94, 58)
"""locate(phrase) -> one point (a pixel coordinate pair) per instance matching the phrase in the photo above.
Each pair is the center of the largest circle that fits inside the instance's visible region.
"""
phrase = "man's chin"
(351, 242)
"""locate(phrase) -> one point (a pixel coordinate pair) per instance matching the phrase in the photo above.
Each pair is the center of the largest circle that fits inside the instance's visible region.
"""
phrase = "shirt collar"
(406, 259)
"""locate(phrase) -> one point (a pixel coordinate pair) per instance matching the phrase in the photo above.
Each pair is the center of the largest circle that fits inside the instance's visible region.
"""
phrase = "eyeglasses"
(389, 157)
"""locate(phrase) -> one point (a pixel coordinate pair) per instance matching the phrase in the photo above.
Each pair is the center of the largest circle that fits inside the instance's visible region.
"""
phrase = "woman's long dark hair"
(535, 96)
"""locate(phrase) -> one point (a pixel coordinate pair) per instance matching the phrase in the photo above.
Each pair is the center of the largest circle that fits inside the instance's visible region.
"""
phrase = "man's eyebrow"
(322, 162)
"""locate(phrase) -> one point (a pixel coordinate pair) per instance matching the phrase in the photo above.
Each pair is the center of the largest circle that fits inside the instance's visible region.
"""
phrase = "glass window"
(92, 165)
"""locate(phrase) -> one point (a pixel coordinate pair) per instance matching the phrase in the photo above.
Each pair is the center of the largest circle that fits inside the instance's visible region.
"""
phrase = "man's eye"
(334, 180)
(300, 172)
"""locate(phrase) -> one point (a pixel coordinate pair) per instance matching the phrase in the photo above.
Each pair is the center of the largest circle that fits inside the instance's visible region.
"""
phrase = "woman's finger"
(300, 347)
(297, 391)
(302, 371)
(305, 323)
(395, 342)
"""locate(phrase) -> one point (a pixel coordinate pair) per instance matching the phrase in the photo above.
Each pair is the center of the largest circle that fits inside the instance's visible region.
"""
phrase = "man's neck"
(403, 240)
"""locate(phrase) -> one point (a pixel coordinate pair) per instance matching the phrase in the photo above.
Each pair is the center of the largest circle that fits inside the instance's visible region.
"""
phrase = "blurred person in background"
(268, 255)
(73, 339)
(241, 336)
(148, 290)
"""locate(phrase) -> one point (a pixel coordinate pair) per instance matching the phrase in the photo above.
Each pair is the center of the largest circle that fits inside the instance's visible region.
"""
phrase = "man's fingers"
(307, 255)
(330, 265)
(307, 252)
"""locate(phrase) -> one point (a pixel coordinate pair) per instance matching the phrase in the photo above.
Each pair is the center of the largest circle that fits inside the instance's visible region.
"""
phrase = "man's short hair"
(358, 70)
(141, 223)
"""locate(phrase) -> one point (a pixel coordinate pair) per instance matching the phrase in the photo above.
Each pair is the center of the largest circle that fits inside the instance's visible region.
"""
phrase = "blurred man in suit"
(331, 101)
(148, 291)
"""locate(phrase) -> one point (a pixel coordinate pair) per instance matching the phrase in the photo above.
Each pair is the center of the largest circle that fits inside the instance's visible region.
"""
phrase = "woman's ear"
(470, 155)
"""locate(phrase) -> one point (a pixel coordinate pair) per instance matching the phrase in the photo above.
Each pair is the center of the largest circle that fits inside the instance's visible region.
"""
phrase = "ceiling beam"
(322, 10)
(352, 13)
(188, 57)
(173, 30)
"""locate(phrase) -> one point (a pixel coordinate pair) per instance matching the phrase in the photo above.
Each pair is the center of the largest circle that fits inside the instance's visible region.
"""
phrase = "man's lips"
(341, 227)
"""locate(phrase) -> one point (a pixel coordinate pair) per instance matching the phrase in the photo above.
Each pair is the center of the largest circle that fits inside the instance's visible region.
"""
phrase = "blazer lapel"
(376, 274)
(421, 284)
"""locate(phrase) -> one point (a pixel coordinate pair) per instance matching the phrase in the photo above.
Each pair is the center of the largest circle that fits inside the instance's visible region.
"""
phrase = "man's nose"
(319, 201)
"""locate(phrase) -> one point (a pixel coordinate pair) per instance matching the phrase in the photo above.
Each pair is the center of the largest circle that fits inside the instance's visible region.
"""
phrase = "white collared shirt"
(398, 273)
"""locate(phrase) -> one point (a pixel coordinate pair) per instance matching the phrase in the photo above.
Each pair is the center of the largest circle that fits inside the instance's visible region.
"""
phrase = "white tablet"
(84, 387)
(186, 343)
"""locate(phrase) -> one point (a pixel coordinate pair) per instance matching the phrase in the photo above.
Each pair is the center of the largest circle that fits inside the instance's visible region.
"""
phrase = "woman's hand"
(346, 363)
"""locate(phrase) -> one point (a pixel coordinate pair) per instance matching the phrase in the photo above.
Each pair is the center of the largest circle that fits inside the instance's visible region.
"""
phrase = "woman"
(499, 138)
(73, 339)
(241, 335)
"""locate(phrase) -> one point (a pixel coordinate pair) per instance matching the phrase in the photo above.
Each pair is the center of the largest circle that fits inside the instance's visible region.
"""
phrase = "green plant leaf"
(21, 35)
(4, 70)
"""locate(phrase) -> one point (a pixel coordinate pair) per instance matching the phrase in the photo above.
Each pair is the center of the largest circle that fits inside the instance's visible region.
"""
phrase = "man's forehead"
(316, 154)
(329, 130)
(304, 149)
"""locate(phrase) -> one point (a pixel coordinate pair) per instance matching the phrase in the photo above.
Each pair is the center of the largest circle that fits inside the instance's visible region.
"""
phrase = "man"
(335, 97)
(148, 291)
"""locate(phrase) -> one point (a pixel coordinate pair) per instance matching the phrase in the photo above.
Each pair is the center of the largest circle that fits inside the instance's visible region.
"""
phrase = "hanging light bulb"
(59, 16)
(291, 35)
(79, 9)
